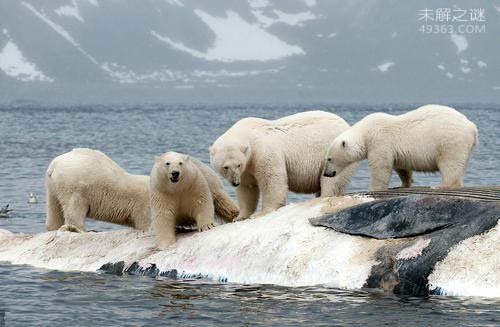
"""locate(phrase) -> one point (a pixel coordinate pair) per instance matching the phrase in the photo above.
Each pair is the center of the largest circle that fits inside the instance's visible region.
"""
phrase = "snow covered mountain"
(101, 51)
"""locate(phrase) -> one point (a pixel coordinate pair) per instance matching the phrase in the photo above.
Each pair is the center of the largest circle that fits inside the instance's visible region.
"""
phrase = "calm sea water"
(31, 137)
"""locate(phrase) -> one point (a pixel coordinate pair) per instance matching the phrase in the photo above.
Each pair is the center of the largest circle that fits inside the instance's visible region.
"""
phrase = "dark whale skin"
(443, 220)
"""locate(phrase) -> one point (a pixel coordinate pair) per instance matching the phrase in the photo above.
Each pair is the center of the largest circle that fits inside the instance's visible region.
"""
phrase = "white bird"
(32, 199)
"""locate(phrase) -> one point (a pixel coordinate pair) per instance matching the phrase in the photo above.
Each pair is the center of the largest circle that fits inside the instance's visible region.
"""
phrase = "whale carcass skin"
(282, 248)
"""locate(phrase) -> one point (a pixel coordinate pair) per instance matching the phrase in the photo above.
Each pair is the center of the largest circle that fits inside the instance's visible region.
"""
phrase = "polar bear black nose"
(175, 173)
(332, 174)
(236, 184)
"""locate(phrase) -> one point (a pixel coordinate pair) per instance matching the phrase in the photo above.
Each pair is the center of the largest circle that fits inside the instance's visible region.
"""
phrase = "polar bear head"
(230, 161)
(346, 149)
(171, 168)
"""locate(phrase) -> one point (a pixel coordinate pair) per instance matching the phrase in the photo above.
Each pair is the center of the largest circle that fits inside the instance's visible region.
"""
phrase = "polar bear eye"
(180, 163)
(226, 167)
(239, 166)
(329, 159)
(168, 164)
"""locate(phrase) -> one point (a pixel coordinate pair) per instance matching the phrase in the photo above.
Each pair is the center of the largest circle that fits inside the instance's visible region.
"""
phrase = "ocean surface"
(31, 137)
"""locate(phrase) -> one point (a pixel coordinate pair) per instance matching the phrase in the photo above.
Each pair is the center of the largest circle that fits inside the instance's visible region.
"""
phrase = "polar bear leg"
(274, 187)
(329, 187)
(204, 213)
(140, 220)
(164, 227)
(55, 215)
(224, 206)
(452, 172)
(406, 177)
(75, 211)
(380, 171)
(336, 186)
(248, 196)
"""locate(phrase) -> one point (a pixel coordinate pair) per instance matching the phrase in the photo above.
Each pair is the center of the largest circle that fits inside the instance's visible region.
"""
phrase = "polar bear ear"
(211, 149)
(343, 144)
(187, 158)
(157, 158)
(244, 149)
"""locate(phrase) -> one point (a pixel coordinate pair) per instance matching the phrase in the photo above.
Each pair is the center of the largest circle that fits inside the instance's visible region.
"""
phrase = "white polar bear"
(87, 183)
(274, 156)
(182, 191)
(430, 138)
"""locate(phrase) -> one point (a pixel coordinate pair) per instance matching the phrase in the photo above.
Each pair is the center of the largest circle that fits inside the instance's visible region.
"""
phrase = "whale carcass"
(444, 245)
(422, 230)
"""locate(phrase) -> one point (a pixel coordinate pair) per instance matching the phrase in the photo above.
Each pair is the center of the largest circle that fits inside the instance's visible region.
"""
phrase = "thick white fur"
(190, 198)
(87, 183)
(430, 138)
(274, 156)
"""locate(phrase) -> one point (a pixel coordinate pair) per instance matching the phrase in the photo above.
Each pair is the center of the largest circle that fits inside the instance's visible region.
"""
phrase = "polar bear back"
(210, 176)
(303, 140)
(294, 132)
(83, 167)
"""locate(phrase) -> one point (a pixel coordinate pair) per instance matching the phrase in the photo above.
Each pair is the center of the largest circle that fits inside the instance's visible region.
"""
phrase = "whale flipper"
(400, 217)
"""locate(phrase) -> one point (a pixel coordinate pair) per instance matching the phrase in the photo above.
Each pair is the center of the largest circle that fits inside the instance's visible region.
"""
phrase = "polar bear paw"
(71, 228)
(261, 213)
(446, 187)
(240, 217)
(163, 244)
(205, 227)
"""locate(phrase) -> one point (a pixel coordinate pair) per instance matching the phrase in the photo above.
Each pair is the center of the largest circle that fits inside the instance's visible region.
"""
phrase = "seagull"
(32, 199)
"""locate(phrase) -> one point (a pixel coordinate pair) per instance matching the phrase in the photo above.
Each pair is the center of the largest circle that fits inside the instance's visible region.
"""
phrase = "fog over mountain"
(309, 51)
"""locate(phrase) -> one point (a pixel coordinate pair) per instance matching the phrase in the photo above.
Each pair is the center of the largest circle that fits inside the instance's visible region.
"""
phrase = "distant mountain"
(125, 51)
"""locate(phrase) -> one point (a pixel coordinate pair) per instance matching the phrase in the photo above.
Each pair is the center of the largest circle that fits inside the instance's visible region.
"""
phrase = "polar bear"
(87, 183)
(274, 156)
(430, 138)
(182, 191)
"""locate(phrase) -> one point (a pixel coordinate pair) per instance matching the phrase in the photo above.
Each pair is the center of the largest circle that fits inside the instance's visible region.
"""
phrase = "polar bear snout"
(234, 178)
(329, 168)
(330, 173)
(174, 178)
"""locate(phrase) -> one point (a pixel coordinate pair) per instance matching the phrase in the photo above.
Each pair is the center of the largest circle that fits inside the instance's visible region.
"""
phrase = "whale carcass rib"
(490, 193)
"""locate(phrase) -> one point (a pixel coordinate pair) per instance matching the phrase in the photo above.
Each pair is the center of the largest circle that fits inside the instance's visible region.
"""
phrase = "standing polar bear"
(430, 138)
(184, 190)
(87, 183)
(274, 156)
